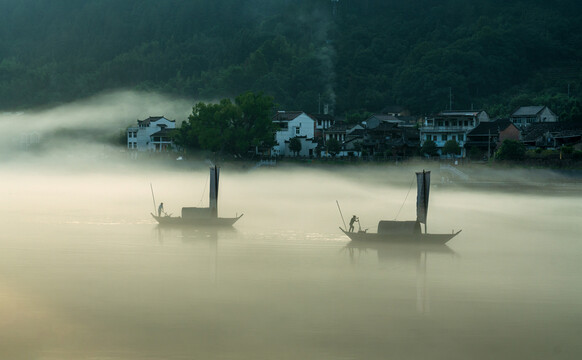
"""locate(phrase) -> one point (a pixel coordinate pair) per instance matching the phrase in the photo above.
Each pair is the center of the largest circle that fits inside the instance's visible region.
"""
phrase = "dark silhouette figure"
(352, 221)
(160, 209)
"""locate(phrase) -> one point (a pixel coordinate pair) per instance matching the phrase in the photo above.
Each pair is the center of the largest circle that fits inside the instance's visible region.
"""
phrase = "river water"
(85, 273)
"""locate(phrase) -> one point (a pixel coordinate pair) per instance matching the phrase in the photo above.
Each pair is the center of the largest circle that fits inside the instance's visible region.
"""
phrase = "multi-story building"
(451, 125)
(151, 134)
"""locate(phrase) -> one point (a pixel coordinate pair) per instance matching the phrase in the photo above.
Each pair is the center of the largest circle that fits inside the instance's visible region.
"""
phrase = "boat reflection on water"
(201, 246)
(194, 234)
(395, 253)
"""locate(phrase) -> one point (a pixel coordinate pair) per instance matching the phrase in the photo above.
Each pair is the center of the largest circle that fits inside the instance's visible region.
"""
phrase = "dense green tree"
(295, 145)
(333, 147)
(510, 150)
(357, 117)
(230, 128)
(429, 148)
(451, 147)
(255, 125)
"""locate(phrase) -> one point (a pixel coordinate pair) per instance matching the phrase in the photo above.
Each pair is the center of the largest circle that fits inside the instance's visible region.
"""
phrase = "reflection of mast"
(408, 253)
(334, 6)
(215, 261)
(422, 301)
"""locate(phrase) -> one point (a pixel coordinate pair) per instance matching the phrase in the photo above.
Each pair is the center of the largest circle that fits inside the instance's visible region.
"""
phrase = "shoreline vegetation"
(484, 172)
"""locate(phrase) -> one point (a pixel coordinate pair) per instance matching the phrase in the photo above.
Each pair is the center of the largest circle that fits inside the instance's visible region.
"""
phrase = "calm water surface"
(85, 274)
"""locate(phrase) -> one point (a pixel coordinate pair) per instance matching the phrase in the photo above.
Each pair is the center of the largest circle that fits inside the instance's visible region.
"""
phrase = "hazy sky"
(95, 119)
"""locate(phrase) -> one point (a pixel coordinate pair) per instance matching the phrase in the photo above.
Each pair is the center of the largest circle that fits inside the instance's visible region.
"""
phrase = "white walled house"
(151, 134)
(451, 125)
(294, 124)
(527, 115)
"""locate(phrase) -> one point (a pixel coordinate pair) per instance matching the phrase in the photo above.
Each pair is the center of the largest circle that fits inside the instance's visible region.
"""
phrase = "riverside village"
(394, 135)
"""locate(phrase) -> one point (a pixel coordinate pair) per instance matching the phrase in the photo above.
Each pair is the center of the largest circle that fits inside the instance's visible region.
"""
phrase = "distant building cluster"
(155, 133)
(391, 133)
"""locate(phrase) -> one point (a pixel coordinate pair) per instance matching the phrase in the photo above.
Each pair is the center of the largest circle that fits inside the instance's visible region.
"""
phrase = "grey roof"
(387, 118)
(282, 116)
(460, 113)
(558, 129)
(492, 127)
(528, 111)
(153, 119)
(384, 126)
(341, 127)
(286, 115)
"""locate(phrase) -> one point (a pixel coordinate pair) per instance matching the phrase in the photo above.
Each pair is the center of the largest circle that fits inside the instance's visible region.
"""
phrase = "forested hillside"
(353, 55)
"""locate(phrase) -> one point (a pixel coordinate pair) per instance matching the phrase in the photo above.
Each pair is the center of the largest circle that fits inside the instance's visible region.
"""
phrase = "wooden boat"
(406, 231)
(194, 216)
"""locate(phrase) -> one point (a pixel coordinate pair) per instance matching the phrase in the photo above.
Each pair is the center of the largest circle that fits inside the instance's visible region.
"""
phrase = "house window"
(297, 131)
(443, 137)
(434, 138)
(454, 138)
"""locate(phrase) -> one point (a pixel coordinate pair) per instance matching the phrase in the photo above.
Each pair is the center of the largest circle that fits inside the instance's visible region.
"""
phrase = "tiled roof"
(152, 119)
(286, 115)
(340, 127)
(385, 126)
(459, 113)
(493, 127)
(527, 111)
(383, 117)
(559, 129)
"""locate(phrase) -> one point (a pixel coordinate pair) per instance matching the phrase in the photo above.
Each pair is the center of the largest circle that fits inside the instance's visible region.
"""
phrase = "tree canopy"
(295, 145)
(229, 128)
(451, 147)
(333, 147)
(429, 148)
(423, 55)
(510, 150)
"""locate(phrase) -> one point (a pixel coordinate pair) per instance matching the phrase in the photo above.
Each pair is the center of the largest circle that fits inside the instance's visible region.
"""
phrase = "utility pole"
(489, 146)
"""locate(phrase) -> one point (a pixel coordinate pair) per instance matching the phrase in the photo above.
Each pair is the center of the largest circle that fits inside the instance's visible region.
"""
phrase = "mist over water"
(85, 272)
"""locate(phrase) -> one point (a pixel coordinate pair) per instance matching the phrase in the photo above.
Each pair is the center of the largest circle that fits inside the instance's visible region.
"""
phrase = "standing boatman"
(352, 221)
(160, 209)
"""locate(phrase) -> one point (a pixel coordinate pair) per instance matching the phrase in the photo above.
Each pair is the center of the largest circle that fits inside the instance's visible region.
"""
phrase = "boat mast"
(423, 188)
(425, 193)
(213, 193)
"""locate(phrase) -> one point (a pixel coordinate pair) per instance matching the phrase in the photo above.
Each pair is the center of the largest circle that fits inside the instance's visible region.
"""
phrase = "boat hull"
(198, 222)
(400, 238)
